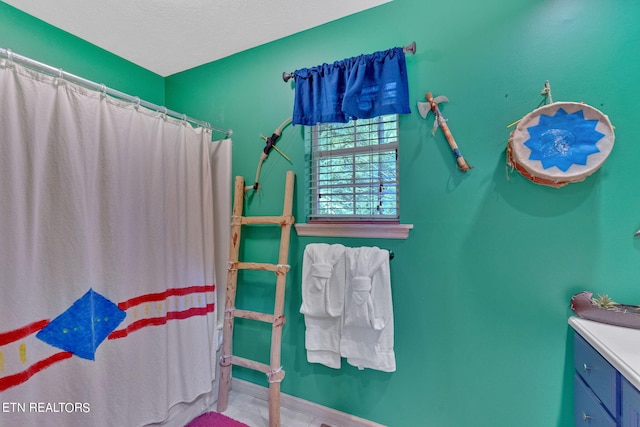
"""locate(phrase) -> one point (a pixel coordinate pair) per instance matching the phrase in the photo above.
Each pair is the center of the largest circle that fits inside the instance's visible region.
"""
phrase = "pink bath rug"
(214, 419)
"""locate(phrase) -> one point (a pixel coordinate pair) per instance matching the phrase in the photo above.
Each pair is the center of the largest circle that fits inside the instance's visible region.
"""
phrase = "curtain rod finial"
(286, 76)
(410, 48)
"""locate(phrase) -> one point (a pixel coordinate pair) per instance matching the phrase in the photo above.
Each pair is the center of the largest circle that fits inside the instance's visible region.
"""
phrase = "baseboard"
(329, 416)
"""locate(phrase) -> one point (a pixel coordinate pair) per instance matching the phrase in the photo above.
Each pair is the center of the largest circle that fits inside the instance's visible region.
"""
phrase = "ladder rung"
(279, 220)
(254, 315)
(251, 364)
(261, 266)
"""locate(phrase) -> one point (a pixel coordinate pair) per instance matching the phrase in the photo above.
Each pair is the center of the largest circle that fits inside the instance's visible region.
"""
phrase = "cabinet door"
(630, 405)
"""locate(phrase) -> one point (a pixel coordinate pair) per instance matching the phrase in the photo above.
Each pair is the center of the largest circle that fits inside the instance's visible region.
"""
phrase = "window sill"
(378, 231)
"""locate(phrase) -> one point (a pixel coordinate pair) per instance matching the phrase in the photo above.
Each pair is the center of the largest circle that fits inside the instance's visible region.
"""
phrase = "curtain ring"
(9, 58)
(137, 106)
(103, 91)
(164, 112)
(60, 78)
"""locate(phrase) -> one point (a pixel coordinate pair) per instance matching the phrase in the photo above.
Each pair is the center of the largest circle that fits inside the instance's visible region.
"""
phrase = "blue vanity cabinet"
(630, 405)
(596, 387)
(606, 369)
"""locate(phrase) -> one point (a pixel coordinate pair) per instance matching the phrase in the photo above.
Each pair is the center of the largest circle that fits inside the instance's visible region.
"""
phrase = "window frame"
(361, 189)
(368, 226)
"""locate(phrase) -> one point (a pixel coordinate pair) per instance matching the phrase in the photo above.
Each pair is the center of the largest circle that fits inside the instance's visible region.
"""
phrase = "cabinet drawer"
(597, 373)
(587, 409)
(630, 405)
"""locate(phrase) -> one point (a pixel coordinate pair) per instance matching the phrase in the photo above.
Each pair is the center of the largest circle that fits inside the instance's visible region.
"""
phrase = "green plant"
(604, 301)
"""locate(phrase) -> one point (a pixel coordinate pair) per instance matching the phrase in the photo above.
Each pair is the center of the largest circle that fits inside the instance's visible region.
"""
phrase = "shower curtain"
(108, 221)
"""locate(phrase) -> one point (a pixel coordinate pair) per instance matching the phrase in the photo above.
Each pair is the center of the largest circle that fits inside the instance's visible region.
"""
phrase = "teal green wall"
(42, 42)
(482, 286)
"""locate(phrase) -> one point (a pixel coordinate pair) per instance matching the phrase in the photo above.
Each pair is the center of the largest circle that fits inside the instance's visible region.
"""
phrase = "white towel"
(323, 286)
(367, 333)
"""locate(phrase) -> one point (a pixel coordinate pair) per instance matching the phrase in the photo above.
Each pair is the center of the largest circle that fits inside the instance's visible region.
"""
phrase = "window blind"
(352, 170)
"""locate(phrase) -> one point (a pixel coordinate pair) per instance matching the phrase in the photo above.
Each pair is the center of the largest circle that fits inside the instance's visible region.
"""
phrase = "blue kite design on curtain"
(84, 325)
(563, 139)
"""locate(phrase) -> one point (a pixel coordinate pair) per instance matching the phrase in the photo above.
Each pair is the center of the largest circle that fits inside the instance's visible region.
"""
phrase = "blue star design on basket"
(84, 325)
(563, 139)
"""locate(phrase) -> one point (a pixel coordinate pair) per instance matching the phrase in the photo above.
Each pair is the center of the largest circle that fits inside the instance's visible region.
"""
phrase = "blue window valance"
(361, 87)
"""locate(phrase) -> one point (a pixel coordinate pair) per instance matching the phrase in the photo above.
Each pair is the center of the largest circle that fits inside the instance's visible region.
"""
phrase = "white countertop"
(620, 346)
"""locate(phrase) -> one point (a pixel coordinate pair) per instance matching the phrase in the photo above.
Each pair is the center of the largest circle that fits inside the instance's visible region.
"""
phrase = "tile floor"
(255, 413)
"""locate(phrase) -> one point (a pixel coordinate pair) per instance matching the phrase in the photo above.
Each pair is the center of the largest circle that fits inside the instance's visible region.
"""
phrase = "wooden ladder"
(273, 370)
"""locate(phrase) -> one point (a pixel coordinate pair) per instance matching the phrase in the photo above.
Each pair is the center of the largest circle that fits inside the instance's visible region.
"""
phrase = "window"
(353, 170)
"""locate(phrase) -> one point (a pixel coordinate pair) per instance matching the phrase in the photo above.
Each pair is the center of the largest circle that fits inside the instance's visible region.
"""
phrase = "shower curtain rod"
(410, 48)
(58, 72)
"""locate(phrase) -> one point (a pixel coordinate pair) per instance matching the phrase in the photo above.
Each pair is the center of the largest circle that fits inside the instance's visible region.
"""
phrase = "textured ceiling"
(169, 36)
